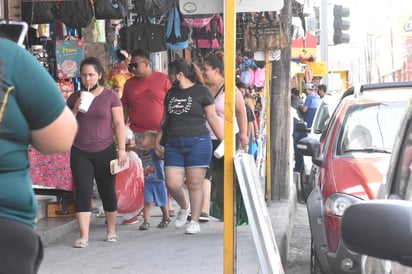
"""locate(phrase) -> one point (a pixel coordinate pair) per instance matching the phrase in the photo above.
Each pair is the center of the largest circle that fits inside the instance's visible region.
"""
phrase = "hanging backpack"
(76, 13)
(177, 35)
(110, 9)
(39, 12)
(209, 36)
(198, 21)
(151, 8)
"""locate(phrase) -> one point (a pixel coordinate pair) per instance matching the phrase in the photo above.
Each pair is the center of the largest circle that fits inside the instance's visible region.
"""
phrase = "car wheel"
(314, 260)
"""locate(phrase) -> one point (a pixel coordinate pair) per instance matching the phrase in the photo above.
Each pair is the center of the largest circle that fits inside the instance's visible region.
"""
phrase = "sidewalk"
(160, 251)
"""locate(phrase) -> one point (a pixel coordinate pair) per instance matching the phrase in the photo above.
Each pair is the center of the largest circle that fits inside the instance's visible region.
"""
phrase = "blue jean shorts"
(188, 152)
(155, 192)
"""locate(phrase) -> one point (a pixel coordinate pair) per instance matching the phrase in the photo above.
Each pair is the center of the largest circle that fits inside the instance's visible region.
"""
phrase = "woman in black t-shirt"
(188, 147)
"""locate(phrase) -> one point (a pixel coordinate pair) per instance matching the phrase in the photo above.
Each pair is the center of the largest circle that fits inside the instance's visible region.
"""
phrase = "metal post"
(229, 233)
(324, 36)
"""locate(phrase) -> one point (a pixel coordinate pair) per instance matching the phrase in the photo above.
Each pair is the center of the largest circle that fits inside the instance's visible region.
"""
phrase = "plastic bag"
(130, 186)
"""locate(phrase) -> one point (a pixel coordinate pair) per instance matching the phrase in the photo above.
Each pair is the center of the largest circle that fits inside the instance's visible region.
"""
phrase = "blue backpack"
(177, 35)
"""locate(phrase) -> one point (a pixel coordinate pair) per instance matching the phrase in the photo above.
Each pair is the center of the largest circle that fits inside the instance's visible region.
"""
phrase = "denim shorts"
(188, 152)
(155, 192)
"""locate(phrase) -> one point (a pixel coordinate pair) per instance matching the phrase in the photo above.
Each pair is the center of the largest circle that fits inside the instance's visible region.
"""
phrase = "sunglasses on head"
(134, 65)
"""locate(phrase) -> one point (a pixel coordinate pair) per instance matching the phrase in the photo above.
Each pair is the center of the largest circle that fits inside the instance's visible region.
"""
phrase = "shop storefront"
(60, 43)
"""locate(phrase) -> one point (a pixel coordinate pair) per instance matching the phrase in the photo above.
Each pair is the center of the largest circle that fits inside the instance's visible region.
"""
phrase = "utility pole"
(280, 115)
(323, 16)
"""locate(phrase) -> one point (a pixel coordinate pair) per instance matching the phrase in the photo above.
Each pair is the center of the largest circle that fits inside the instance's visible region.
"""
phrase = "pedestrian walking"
(322, 89)
(94, 147)
(155, 190)
(143, 102)
(32, 113)
(311, 104)
(213, 73)
(188, 148)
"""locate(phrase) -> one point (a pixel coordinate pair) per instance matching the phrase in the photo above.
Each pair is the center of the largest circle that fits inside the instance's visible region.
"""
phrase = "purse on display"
(110, 9)
(265, 34)
(143, 35)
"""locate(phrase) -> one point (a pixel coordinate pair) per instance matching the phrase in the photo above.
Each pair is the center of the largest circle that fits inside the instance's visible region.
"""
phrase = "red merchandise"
(51, 171)
(130, 186)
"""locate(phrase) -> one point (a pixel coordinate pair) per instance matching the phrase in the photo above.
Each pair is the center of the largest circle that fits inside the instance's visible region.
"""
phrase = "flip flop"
(80, 243)
(111, 237)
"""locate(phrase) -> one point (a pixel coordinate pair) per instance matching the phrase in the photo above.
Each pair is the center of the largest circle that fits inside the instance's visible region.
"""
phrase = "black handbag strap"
(167, 97)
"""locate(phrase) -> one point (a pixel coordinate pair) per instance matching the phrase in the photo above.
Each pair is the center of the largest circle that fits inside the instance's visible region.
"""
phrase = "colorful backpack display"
(198, 21)
(209, 36)
(177, 35)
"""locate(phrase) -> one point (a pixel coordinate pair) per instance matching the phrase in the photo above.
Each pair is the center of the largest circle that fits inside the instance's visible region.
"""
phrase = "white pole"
(324, 36)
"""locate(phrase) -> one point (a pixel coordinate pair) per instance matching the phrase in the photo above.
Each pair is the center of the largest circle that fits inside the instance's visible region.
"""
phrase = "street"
(299, 249)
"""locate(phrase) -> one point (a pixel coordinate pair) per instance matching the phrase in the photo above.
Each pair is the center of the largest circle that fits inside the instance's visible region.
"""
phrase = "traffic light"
(339, 24)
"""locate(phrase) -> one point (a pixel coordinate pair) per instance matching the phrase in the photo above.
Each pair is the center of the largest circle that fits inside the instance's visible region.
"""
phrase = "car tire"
(314, 260)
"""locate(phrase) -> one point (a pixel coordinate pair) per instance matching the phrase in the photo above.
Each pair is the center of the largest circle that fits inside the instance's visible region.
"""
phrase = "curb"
(283, 219)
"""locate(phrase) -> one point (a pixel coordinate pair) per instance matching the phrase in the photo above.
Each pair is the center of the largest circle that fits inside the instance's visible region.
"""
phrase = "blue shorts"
(155, 192)
(188, 152)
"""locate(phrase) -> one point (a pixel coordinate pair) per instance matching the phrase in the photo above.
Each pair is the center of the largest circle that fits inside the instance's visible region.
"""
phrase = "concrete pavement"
(159, 251)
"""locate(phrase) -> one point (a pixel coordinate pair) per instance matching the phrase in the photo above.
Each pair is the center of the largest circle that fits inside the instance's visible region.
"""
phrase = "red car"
(351, 158)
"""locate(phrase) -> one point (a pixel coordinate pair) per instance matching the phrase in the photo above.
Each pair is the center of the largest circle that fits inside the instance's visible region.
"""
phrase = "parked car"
(352, 157)
(324, 112)
(381, 229)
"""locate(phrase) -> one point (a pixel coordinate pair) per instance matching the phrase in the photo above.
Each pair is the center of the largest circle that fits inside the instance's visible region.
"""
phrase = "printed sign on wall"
(69, 54)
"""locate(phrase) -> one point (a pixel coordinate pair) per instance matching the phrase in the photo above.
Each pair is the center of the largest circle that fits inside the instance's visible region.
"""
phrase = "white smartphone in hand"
(116, 168)
(14, 30)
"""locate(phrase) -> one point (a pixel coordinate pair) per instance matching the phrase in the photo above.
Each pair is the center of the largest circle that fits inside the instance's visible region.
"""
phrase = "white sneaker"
(192, 228)
(181, 217)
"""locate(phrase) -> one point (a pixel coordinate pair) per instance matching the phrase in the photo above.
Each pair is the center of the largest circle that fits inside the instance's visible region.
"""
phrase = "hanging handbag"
(145, 36)
(265, 34)
(133, 37)
(39, 12)
(110, 9)
(151, 8)
(156, 37)
(177, 35)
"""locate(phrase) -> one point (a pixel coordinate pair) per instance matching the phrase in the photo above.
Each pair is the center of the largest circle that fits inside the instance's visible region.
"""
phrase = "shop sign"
(69, 54)
(405, 22)
(191, 7)
(304, 48)
(317, 68)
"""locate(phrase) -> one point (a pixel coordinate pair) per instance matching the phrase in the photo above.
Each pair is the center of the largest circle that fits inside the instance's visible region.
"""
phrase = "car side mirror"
(379, 228)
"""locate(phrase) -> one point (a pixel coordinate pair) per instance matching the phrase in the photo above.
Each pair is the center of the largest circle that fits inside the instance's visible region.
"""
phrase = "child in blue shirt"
(154, 180)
